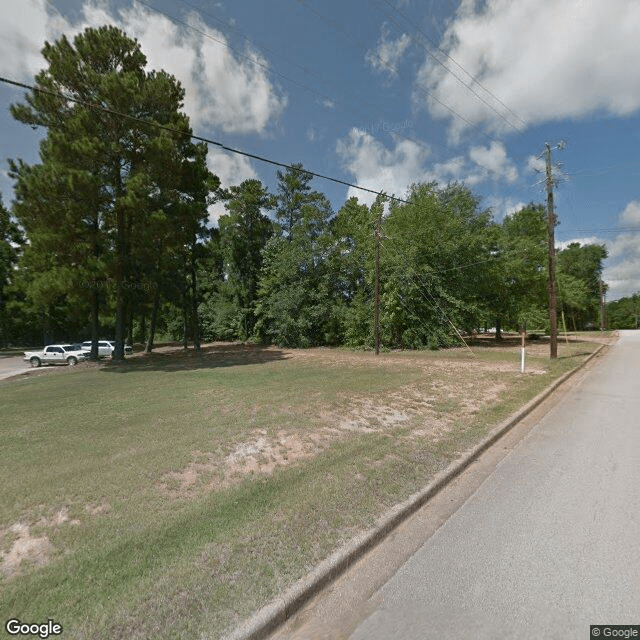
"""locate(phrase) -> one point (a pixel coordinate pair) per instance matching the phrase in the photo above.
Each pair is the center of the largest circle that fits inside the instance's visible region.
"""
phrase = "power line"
(224, 43)
(629, 229)
(233, 27)
(192, 136)
(324, 98)
(473, 79)
(350, 39)
(434, 303)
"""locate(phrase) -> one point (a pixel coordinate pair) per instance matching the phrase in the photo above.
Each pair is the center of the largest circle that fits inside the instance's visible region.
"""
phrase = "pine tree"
(107, 181)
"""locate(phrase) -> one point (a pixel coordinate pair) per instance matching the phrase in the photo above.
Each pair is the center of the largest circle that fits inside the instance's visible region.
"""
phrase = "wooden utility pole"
(553, 320)
(376, 328)
(603, 323)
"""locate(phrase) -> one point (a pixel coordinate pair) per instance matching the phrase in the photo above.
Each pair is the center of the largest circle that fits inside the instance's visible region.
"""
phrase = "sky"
(388, 93)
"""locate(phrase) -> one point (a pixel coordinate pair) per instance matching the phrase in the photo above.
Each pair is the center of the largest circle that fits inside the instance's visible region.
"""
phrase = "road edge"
(270, 617)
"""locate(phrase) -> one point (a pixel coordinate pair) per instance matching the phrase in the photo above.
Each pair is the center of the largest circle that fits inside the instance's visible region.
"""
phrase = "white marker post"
(522, 333)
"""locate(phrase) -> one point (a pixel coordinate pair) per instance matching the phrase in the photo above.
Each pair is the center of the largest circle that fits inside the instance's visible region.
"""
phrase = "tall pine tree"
(105, 176)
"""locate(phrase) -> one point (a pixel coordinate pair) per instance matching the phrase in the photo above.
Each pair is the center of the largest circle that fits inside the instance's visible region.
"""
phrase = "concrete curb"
(273, 615)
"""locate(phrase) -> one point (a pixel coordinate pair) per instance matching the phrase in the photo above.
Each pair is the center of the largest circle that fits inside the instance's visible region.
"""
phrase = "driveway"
(13, 366)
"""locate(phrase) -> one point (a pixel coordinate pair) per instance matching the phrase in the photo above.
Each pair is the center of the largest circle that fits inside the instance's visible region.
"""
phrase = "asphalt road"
(549, 543)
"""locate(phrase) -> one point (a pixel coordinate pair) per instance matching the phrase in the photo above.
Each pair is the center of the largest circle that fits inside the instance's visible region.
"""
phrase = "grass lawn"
(172, 496)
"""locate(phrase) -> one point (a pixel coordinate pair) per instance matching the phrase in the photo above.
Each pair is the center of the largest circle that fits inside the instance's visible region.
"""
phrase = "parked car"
(56, 354)
(105, 347)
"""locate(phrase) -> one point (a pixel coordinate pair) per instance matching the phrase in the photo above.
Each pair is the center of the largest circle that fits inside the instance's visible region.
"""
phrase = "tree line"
(109, 234)
(624, 313)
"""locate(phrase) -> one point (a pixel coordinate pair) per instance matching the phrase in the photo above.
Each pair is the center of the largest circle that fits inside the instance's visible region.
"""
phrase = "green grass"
(136, 556)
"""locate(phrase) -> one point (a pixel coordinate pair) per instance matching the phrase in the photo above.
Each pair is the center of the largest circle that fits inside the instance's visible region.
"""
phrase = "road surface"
(13, 366)
(543, 545)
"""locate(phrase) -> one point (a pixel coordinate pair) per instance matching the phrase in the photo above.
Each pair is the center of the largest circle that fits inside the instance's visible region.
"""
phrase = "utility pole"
(376, 328)
(603, 323)
(553, 320)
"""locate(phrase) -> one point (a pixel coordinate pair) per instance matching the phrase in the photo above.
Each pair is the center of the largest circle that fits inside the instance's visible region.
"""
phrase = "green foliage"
(11, 244)
(517, 285)
(579, 274)
(434, 249)
(111, 201)
(244, 232)
(624, 313)
(295, 289)
(114, 218)
(352, 271)
(358, 322)
(294, 191)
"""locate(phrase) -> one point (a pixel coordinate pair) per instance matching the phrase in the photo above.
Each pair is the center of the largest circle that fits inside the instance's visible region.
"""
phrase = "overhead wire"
(352, 40)
(346, 35)
(199, 138)
(192, 136)
(426, 289)
(326, 99)
(147, 123)
(422, 36)
(224, 43)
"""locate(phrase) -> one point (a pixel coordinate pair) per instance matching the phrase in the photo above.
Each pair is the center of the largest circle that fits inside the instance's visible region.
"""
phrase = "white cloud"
(224, 89)
(560, 246)
(624, 245)
(452, 170)
(536, 164)
(386, 56)
(545, 59)
(23, 30)
(631, 213)
(379, 168)
(502, 207)
(623, 278)
(232, 169)
(480, 164)
(622, 271)
(493, 160)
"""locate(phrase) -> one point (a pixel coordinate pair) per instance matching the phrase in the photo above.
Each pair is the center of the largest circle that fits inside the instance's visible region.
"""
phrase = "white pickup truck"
(55, 354)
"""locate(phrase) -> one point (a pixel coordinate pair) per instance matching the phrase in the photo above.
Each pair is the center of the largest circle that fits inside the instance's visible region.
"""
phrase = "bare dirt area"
(29, 542)
(454, 385)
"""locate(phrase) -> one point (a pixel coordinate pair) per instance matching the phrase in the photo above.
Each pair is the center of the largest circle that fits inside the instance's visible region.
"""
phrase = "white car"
(55, 354)
(105, 347)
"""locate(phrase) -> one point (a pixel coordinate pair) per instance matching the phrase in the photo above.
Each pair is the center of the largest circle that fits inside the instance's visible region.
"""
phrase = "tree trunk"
(130, 328)
(143, 326)
(498, 329)
(121, 273)
(46, 327)
(95, 323)
(194, 302)
(118, 353)
(185, 317)
(154, 319)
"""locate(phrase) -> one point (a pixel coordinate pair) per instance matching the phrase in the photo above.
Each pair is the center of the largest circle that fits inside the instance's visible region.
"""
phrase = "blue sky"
(385, 93)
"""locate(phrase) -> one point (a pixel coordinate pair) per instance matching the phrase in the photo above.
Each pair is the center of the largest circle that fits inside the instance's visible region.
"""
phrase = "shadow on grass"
(209, 357)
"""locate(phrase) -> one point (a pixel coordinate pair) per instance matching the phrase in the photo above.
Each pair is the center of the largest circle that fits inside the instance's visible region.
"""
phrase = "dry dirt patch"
(447, 390)
(24, 546)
